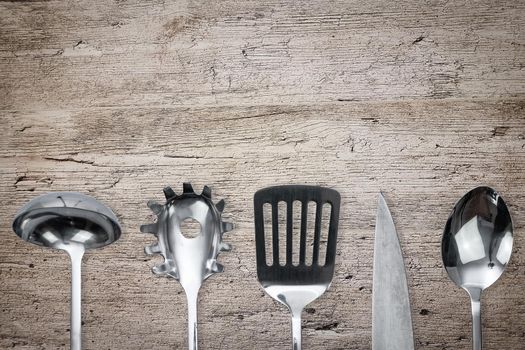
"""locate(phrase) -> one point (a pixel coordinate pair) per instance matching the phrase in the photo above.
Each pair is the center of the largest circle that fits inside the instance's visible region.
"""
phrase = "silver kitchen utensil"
(189, 260)
(295, 285)
(72, 222)
(476, 247)
(391, 316)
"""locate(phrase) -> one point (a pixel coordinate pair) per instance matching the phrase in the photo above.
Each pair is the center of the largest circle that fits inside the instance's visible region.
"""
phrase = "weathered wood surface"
(422, 100)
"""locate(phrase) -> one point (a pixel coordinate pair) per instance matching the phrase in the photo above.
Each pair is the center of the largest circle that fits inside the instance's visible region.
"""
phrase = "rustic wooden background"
(423, 100)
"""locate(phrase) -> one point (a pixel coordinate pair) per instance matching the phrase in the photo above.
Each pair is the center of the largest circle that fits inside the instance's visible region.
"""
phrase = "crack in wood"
(70, 159)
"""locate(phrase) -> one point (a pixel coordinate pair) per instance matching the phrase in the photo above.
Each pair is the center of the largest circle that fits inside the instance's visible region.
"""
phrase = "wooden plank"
(63, 55)
(424, 155)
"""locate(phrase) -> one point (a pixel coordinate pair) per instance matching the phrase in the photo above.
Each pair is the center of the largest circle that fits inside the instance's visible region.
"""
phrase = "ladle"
(72, 222)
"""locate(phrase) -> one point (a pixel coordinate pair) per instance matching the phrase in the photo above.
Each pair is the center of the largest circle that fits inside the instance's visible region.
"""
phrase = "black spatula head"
(301, 273)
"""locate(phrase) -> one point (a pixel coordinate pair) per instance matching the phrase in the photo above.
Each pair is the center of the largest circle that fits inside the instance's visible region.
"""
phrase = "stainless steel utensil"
(476, 247)
(72, 222)
(188, 260)
(391, 315)
(295, 285)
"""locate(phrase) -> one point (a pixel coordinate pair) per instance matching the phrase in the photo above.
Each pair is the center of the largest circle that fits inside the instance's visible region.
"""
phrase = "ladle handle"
(76, 255)
(476, 323)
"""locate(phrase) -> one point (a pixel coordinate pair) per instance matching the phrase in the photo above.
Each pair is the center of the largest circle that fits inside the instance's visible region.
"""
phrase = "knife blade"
(391, 314)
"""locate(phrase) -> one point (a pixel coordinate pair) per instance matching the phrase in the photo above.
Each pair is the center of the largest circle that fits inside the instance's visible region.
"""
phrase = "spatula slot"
(323, 239)
(282, 233)
(309, 223)
(267, 217)
(296, 208)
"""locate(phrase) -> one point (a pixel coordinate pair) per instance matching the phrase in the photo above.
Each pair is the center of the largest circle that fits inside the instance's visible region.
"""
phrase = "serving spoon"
(72, 222)
(476, 247)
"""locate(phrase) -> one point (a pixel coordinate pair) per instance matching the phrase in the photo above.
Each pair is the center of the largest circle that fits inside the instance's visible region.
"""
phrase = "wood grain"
(421, 100)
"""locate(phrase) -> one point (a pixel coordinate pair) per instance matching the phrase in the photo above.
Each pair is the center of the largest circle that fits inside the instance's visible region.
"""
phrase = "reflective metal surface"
(295, 285)
(72, 222)
(188, 260)
(476, 246)
(391, 314)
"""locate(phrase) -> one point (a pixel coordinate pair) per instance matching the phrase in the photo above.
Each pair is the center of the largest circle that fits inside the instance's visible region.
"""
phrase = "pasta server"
(188, 260)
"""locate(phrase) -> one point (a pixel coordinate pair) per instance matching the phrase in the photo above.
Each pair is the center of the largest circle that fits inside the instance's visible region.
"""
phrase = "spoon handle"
(76, 253)
(476, 323)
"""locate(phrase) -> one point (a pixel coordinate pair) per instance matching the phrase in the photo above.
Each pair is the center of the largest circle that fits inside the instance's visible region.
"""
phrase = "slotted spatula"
(296, 285)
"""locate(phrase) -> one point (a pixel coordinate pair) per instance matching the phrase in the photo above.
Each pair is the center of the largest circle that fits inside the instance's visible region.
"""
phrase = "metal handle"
(192, 297)
(76, 252)
(476, 324)
(296, 330)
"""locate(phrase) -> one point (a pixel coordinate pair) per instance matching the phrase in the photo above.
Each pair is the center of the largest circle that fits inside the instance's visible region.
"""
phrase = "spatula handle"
(296, 331)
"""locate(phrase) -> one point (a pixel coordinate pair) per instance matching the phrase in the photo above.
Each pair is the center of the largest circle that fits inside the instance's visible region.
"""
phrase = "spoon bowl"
(72, 222)
(477, 245)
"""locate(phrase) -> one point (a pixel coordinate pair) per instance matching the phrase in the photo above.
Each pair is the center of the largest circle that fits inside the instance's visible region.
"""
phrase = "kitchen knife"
(391, 316)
